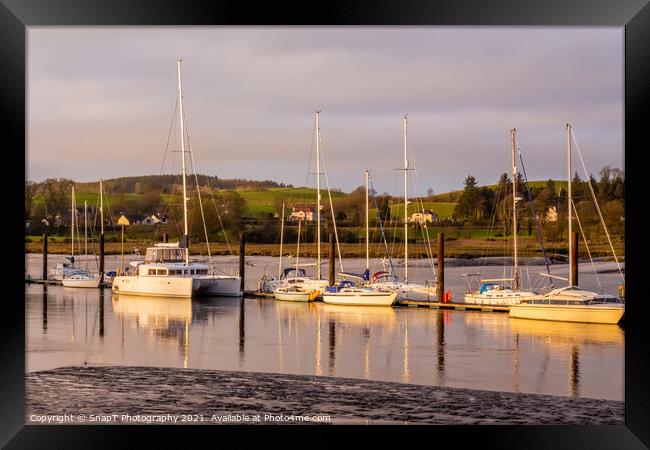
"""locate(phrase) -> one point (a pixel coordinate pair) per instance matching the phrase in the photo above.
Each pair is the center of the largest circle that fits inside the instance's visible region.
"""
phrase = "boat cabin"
(165, 253)
(156, 270)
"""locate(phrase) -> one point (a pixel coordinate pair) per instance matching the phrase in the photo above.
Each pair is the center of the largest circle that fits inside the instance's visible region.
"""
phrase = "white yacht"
(166, 269)
(406, 289)
(349, 294)
(571, 303)
(292, 277)
(495, 291)
(295, 294)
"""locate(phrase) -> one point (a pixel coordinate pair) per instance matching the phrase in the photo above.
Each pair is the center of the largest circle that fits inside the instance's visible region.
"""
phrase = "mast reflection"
(242, 330)
(332, 347)
(101, 313)
(574, 372)
(45, 309)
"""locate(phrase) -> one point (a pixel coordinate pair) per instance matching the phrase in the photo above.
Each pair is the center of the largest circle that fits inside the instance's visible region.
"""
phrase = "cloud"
(100, 100)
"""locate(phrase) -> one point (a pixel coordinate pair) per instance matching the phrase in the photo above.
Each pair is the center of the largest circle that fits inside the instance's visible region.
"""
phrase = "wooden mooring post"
(45, 256)
(242, 257)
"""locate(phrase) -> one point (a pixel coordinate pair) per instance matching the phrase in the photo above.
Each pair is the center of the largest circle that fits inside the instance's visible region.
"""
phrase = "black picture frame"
(634, 15)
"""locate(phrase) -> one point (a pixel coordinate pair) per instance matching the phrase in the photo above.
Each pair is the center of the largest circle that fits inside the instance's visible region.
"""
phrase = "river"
(479, 350)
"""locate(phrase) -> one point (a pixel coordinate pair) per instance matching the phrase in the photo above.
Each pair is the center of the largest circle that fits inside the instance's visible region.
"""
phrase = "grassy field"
(265, 201)
(270, 200)
(443, 210)
(258, 201)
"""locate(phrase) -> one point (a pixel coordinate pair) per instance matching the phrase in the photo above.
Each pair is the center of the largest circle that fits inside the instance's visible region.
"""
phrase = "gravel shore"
(119, 395)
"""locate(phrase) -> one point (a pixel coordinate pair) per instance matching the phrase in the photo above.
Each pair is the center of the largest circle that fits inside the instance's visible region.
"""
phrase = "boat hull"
(81, 283)
(569, 313)
(223, 286)
(360, 299)
(418, 293)
(509, 299)
(155, 286)
(294, 296)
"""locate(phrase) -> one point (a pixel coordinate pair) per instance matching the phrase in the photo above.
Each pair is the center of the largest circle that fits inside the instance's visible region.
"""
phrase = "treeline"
(492, 206)
(165, 184)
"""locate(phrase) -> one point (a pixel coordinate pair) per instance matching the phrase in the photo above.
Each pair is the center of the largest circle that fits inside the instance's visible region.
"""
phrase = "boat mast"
(298, 247)
(101, 205)
(86, 228)
(515, 275)
(318, 270)
(281, 241)
(406, 218)
(367, 226)
(74, 210)
(569, 199)
(180, 109)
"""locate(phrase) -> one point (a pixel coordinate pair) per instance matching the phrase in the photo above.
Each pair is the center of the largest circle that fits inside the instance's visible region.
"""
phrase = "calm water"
(422, 346)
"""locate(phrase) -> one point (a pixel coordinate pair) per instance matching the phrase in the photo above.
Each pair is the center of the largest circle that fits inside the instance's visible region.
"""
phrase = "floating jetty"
(416, 304)
(451, 305)
(30, 280)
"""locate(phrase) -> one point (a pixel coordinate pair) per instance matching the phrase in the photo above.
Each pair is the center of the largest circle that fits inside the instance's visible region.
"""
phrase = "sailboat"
(166, 269)
(83, 278)
(68, 269)
(296, 289)
(495, 291)
(296, 275)
(347, 293)
(293, 277)
(388, 281)
(571, 303)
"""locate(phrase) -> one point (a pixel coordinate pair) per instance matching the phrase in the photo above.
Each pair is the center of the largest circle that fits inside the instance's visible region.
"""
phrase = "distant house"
(300, 212)
(423, 216)
(551, 215)
(134, 219)
(154, 219)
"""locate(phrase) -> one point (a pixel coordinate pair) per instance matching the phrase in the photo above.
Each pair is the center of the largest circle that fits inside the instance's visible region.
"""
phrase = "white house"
(301, 213)
(551, 214)
(423, 216)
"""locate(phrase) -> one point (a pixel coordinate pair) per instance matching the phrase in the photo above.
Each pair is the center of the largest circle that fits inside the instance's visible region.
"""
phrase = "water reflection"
(574, 372)
(166, 319)
(563, 334)
(45, 309)
(242, 330)
(421, 346)
(101, 313)
(332, 346)
(440, 341)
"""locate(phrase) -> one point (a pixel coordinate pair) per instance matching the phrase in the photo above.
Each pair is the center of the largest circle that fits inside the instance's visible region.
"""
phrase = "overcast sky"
(101, 99)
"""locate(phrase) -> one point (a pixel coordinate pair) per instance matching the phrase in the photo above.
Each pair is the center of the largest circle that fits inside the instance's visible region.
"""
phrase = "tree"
(383, 206)
(469, 200)
(150, 203)
(31, 189)
(430, 192)
(56, 194)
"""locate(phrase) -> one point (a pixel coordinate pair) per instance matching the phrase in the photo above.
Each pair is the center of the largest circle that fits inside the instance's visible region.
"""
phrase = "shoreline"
(230, 396)
(454, 249)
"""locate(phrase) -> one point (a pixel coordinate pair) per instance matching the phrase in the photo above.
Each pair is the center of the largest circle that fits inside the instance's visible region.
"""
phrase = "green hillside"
(442, 209)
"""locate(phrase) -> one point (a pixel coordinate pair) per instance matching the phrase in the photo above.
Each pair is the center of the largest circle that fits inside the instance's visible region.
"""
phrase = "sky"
(101, 100)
